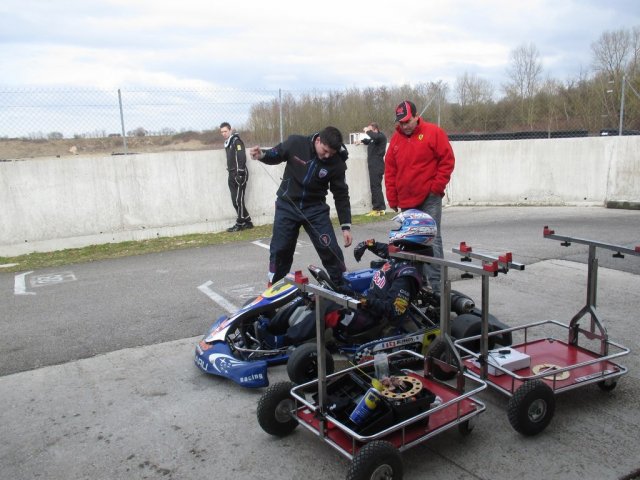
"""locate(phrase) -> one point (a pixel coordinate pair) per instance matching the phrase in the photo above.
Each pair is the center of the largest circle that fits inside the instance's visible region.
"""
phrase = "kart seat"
(365, 336)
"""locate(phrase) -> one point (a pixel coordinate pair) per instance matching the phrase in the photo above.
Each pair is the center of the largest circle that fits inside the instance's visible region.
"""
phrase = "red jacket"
(418, 165)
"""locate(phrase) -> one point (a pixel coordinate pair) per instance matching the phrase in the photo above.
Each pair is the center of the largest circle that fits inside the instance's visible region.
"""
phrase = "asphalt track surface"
(98, 378)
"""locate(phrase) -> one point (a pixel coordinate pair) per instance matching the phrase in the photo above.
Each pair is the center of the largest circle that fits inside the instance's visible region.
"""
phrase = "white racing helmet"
(416, 230)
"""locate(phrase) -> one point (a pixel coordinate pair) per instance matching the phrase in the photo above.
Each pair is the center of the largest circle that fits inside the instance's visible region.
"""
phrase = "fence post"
(280, 102)
(621, 107)
(124, 137)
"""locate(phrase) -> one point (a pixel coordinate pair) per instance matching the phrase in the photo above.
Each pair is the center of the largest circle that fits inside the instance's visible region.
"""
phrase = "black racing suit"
(238, 176)
(393, 288)
(301, 201)
(376, 148)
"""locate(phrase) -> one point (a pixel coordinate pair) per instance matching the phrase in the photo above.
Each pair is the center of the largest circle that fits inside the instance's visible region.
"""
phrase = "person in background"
(238, 176)
(418, 166)
(314, 165)
(376, 143)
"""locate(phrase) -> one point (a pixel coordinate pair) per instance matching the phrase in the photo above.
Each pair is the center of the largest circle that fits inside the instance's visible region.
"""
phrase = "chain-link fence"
(44, 122)
(93, 120)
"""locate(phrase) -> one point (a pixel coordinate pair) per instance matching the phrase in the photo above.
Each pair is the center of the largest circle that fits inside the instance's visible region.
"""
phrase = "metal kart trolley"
(392, 421)
(532, 372)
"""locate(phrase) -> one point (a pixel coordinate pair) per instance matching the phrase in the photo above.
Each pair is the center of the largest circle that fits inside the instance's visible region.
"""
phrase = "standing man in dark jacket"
(315, 164)
(376, 143)
(238, 176)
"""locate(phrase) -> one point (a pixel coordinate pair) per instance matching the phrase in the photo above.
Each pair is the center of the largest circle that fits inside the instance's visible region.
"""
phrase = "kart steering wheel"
(322, 278)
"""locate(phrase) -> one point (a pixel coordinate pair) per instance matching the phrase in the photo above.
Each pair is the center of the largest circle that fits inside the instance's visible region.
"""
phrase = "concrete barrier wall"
(567, 171)
(50, 204)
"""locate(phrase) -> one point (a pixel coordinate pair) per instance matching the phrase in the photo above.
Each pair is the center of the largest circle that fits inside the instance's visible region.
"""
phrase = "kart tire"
(274, 410)
(302, 365)
(438, 349)
(532, 407)
(377, 459)
(505, 339)
(469, 325)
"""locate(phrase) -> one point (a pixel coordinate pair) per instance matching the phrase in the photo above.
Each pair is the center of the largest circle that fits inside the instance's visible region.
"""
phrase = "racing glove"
(359, 249)
(345, 289)
(378, 248)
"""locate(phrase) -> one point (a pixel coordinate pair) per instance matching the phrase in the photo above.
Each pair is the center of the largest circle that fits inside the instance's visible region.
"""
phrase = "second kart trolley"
(552, 357)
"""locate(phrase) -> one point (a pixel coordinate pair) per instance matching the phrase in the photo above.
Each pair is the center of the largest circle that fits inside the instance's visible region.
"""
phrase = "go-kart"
(233, 347)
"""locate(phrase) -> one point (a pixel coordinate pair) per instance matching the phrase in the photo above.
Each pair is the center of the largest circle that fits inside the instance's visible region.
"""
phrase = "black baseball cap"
(405, 111)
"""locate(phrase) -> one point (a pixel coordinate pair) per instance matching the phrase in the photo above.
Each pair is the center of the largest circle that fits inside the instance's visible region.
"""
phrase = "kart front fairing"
(221, 351)
(217, 359)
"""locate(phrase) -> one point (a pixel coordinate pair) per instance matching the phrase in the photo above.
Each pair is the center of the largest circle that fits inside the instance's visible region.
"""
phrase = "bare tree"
(612, 52)
(55, 136)
(616, 54)
(634, 66)
(474, 96)
(472, 90)
(524, 73)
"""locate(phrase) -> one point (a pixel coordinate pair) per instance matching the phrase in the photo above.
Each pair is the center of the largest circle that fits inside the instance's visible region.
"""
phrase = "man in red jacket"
(418, 167)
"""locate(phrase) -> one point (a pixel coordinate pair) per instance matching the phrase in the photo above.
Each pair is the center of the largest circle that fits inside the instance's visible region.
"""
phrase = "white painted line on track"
(20, 284)
(7, 265)
(258, 243)
(228, 306)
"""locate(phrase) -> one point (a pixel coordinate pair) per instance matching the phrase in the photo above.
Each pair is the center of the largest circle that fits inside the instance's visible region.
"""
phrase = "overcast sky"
(296, 45)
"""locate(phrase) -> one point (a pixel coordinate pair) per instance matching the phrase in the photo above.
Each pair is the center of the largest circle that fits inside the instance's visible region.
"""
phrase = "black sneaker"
(247, 226)
(235, 228)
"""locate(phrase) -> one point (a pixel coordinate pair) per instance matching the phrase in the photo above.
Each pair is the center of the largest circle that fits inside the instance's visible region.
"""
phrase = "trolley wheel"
(302, 365)
(377, 460)
(438, 349)
(274, 410)
(466, 427)
(607, 385)
(532, 407)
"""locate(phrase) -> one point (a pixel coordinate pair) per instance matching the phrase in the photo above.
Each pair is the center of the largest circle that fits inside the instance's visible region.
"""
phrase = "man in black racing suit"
(238, 176)
(314, 165)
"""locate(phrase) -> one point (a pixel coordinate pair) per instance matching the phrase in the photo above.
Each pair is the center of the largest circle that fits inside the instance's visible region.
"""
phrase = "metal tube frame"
(596, 328)
(320, 409)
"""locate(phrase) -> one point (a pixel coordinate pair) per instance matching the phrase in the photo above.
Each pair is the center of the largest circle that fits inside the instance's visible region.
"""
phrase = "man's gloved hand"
(359, 249)
(363, 300)
(344, 289)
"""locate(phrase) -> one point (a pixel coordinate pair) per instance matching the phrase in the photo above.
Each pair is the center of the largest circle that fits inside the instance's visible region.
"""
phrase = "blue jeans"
(433, 206)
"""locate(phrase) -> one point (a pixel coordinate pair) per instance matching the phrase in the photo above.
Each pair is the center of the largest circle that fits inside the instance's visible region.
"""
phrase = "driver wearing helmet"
(393, 287)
